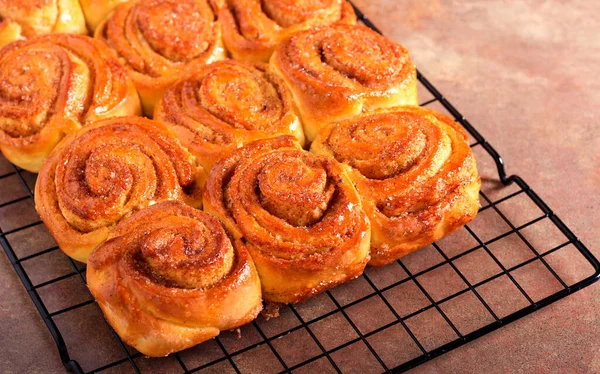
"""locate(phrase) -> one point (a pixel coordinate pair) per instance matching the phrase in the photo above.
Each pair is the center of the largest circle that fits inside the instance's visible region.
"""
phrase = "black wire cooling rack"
(516, 257)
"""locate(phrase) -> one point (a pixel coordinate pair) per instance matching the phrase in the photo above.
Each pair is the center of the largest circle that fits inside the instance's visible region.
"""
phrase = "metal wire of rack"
(492, 272)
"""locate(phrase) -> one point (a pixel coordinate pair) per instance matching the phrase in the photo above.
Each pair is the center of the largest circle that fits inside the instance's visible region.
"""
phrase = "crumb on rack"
(271, 310)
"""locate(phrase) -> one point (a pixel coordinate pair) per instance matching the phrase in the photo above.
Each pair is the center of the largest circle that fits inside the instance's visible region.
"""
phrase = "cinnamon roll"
(50, 86)
(39, 17)
(169, 278)
(109, 169)
(297, 213)
(341, 71)
(252, 28)
(159, 40)
(414, 171)
(225, 105)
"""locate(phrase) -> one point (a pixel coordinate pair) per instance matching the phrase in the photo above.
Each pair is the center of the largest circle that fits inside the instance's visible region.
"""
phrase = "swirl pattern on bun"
(414, 171)
(298, 214)
(157, 50)
(107, 171)
(169, 278)
(253, 28)
(225, 105)
(52, 85)
(341, 71)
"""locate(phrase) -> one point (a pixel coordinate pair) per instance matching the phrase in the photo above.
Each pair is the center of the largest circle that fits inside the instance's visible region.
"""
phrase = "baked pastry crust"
(9, 32)
(298, 214)
(414, 171)
(169, 278)
(225, 105)
(96, 11)
(108, 170)
(50, 86)
(340, 71)
(157, 51)
(39, 17)
(252, 28)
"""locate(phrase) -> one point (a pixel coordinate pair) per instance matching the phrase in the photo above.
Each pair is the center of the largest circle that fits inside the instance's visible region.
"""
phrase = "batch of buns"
(287, 152)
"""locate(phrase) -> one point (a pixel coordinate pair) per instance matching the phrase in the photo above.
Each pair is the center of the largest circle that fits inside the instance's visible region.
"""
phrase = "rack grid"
(507, 263)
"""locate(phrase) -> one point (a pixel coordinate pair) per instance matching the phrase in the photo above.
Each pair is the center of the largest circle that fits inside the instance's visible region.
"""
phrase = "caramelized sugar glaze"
(341, 71)
(96, 11)
(52, 85)
(381, 180)
(299, 215)
(225, 105)
(159, 40)
(169, 278)
(40, 17)
(107, 171)
(414, 171)
(252, 28)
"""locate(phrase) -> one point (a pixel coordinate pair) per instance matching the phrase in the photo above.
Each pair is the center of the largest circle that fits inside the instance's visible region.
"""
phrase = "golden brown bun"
(298, 214)
(96, 11)
(341, 71)
(169, 278)
(252, 28)
(50, 86)
(105, 172)
(225, 105)
(160, 40)
(414, 171)
(39, 17)
(9, 32)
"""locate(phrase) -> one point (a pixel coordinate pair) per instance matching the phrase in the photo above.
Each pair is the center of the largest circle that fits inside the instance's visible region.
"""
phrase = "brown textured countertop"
(525, 73)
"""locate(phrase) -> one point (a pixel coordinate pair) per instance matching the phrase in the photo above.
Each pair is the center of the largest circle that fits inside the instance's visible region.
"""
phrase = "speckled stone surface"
(525, 73)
